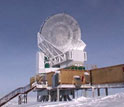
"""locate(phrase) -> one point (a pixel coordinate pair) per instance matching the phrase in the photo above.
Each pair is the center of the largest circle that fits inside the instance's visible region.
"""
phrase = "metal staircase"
(16, 92)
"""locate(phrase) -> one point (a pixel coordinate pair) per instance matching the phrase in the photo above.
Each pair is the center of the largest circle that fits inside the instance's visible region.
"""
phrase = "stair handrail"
(14, 93)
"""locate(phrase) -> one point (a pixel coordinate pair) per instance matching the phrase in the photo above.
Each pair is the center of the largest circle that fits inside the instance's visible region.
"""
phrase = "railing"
(13, 94)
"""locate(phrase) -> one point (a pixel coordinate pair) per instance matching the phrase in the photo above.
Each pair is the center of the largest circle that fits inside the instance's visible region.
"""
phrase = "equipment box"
(67, 76)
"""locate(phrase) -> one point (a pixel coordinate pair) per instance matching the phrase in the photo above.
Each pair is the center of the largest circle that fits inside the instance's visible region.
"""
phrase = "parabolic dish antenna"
(59, 39)
(62, 31)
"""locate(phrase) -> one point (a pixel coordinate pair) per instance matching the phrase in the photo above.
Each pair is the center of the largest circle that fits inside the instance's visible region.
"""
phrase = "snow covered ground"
(116, 100)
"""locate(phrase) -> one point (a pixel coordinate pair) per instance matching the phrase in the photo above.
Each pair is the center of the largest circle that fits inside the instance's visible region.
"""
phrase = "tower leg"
(77, 93)
(58, 94)
(98, 91)
(106, 91)
(38, 97)
(93, 92)
(49, 95)
(73, 94)
(85, 92)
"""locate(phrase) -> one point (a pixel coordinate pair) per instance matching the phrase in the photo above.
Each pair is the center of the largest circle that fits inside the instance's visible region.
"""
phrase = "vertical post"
(58, 94)
(85, 92)
(19, 99)
(98, 91)
(93, 92)
(25, 98)
(106, 91)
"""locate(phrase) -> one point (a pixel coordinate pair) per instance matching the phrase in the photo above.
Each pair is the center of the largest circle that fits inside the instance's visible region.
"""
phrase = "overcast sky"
(101, 23)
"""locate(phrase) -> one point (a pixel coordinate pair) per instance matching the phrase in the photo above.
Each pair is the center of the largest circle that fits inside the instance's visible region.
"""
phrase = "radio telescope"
(59, 39)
